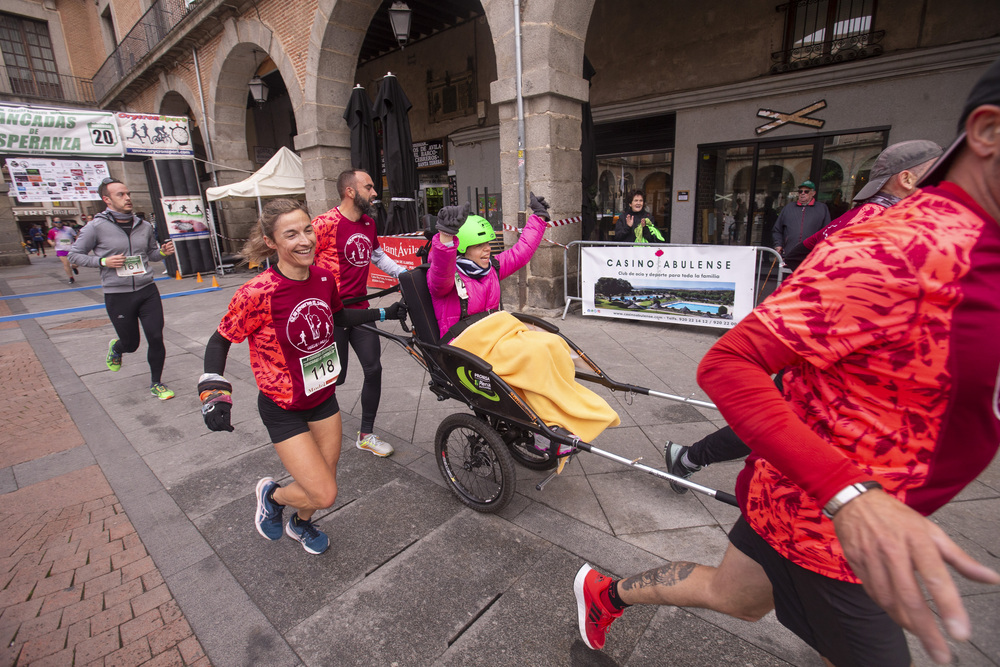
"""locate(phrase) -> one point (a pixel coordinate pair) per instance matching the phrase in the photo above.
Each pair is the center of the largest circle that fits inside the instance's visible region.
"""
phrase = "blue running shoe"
(313, 540)
(268, 517)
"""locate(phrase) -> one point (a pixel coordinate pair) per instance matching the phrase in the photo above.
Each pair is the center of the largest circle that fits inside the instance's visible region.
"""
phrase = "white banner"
(152, 134)
(44, 179)
(58, 132)
(706, 285)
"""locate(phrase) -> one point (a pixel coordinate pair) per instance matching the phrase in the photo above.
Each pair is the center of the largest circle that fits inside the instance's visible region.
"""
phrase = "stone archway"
(243, 45)
(338, 32)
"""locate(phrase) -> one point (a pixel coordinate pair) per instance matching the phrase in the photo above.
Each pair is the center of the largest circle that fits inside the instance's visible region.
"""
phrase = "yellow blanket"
(538, 366)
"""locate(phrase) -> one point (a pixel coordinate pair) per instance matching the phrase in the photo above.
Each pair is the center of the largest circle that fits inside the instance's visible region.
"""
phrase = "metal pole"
(521, 197)
(211, 158)
(204, 117)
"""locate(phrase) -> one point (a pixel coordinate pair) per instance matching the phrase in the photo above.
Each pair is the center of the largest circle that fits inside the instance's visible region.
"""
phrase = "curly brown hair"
(256, 250)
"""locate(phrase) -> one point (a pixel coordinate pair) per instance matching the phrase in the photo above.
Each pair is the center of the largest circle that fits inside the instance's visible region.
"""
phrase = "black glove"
(216, 401)
(396, 311)
(450, 218)
(539, 206)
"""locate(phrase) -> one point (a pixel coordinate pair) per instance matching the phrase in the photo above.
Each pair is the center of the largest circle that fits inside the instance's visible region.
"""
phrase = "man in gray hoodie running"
(123, 245)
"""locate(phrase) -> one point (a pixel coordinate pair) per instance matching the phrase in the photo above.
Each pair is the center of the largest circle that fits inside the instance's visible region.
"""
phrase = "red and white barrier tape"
(550, 223)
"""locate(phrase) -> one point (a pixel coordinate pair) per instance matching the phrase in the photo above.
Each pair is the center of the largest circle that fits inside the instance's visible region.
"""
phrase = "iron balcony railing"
(823, 32)
(35, 85)
(150, 30)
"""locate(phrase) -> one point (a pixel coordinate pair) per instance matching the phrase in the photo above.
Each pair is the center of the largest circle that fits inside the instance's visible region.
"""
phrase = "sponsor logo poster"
(185, 216)
(44, 179)
(701, 285)
(152, 134)
(58, 132)
(400, 249)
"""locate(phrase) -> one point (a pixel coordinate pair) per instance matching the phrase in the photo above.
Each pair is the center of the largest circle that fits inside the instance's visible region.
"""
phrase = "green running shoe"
(161, 392)
(114, 360)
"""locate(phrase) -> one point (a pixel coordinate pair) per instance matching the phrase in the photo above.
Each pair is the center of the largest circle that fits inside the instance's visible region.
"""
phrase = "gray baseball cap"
(896, 158)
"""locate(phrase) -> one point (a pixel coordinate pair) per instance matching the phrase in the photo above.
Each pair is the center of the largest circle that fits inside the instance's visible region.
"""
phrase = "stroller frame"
(475, 453)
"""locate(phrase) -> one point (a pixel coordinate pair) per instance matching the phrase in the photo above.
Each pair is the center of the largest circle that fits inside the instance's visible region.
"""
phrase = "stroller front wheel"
(475, 463)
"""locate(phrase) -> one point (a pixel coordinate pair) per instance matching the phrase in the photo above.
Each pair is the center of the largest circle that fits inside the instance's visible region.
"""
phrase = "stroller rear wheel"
(475, 463)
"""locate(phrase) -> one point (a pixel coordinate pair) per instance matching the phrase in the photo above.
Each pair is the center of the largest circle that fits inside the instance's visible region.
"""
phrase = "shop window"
(27, 53)
(822, 32)
(742, 188)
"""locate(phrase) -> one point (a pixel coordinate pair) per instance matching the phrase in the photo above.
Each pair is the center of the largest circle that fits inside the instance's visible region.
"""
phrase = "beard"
(366, 207)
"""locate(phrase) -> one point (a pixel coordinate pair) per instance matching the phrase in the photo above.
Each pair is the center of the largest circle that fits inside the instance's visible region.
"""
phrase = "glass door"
(742, 188)
(779, 171)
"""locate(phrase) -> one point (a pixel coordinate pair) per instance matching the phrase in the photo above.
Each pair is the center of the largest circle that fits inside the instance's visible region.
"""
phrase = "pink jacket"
(484, 294)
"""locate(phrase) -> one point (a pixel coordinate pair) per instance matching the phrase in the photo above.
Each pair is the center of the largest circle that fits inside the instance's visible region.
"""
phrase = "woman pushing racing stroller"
(464, 283)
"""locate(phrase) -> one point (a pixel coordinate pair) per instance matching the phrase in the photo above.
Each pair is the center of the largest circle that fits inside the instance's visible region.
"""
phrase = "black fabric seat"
(413, 287)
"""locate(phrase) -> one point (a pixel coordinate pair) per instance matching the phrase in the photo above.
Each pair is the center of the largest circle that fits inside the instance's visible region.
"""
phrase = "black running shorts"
(836, 618)
(283, 424)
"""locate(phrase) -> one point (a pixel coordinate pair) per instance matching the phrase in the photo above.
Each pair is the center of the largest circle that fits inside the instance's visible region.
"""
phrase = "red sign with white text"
(403, 251)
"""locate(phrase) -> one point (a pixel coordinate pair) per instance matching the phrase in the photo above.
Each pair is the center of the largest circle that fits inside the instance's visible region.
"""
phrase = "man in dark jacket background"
(800, 219)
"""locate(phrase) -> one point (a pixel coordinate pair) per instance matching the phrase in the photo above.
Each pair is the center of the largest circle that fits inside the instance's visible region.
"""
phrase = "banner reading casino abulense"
(702, 285)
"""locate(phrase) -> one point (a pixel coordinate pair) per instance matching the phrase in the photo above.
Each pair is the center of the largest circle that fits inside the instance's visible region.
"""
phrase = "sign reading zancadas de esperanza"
(709, 286)
(58, 132)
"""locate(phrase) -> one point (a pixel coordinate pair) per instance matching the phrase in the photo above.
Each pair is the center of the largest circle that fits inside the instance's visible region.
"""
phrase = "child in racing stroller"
(464, 284)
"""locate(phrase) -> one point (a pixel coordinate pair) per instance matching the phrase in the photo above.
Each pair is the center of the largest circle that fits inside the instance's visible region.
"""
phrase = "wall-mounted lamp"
(258, 89)
(399, 15)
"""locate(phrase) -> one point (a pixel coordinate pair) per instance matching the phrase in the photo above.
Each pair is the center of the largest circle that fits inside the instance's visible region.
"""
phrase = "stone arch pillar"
(232, 67)
(553, 33)
(338, 32)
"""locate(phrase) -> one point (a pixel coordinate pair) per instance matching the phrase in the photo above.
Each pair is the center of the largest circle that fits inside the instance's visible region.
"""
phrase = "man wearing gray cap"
(893, 177)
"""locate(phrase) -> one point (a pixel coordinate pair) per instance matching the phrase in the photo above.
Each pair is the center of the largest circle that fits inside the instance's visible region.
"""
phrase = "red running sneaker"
(594, 614)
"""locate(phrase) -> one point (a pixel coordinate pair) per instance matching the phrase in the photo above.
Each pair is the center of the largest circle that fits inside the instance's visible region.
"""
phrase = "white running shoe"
(374, 444)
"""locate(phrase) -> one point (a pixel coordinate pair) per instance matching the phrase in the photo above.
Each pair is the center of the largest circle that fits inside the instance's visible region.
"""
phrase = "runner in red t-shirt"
(894, 177)
(287, 314)
(889, 408)
(347, 246)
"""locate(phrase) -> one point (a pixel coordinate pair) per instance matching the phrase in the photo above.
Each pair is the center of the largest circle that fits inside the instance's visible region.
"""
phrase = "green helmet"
(475, 230)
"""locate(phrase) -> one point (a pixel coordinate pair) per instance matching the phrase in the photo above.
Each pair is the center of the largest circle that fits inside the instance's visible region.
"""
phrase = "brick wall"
(126, 13)
(291, 23)
(82, 28)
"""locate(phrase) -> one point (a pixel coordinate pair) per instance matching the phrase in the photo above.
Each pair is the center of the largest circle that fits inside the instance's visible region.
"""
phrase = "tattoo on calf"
(670, 574)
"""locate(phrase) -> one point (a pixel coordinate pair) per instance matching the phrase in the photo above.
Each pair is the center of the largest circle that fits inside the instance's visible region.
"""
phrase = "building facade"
(717, 111)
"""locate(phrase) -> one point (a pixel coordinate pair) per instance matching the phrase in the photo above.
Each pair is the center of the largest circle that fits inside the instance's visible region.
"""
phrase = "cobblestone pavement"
(78, 587)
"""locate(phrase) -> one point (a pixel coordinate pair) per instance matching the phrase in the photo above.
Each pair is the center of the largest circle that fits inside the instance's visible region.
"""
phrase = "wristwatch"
(846, 495)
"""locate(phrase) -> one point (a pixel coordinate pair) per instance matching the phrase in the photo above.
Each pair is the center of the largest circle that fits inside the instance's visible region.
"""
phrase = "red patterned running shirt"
(289, 327)
(895, 322)
(344, 248)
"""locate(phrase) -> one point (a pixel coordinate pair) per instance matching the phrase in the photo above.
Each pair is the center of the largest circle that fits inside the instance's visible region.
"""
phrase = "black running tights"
(368, 347)
(129, 309)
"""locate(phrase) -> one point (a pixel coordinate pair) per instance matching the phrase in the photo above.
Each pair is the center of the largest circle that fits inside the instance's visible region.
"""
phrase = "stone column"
(553, 90)
(11, 251)
(324, 156)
